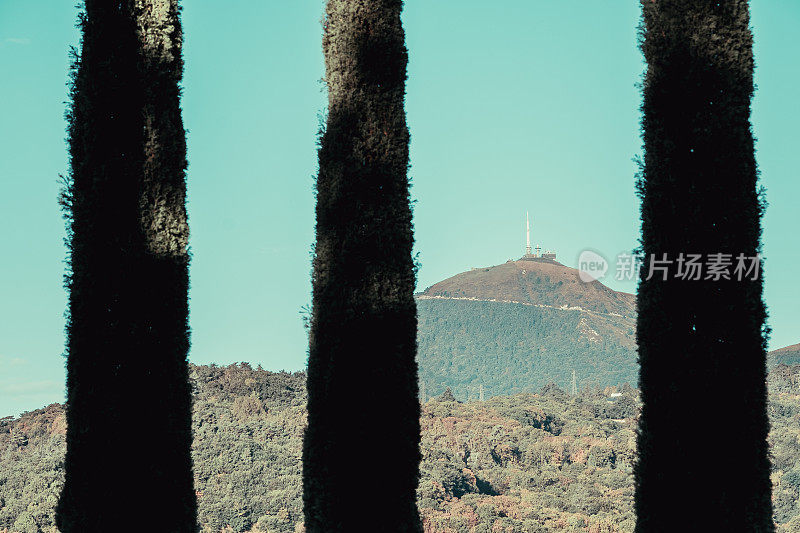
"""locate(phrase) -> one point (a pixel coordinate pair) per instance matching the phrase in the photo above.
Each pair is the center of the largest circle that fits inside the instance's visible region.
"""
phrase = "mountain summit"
(518, 326)
(534, 281)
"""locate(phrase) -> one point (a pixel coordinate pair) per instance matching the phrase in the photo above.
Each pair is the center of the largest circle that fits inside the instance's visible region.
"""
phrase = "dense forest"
(529, 462)
(510, 347)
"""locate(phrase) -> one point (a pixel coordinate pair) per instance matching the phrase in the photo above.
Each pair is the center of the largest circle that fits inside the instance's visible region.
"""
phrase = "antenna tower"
(528, 234)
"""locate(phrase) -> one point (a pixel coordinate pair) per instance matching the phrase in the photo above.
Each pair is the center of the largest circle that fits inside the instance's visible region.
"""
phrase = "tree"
(701, 342)
(128, 453)
(447, 396)
(363, 325)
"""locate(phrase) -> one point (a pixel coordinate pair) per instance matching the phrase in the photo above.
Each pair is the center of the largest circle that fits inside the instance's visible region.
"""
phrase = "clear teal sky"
(513, 105)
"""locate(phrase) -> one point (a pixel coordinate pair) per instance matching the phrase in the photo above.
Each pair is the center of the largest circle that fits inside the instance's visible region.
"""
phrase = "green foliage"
(485, 464)
(446, 396)
(701, 342)
(789, 355)
(510, 348)
(32, 471)
(364, 322)
(128, 278)
(248, 430)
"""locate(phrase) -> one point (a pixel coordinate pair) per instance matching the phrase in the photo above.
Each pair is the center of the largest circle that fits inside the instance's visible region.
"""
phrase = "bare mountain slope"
(536, 282)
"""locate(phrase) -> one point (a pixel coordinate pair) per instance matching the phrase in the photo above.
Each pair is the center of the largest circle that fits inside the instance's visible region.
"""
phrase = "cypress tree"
(703, 458)
(361, 448)
(128, 463)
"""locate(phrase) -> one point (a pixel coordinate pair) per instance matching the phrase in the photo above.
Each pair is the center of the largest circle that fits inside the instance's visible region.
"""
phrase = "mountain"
(789, 355)
(517, 326)
(544, 462)
(534, 281)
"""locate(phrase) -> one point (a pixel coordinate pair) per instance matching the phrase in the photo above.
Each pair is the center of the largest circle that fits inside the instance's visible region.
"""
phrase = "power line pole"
(574, 384)
(480, 393)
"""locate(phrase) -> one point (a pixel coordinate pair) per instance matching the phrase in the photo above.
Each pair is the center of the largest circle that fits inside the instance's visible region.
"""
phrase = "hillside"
(789, 355)
(248, 427)
(518, 326)
(534, 282)
(525, 463)
(509, 348)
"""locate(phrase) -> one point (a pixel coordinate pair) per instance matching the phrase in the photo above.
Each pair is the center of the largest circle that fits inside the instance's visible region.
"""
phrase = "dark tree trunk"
(128, 463)
(361, 448)
(703, 463)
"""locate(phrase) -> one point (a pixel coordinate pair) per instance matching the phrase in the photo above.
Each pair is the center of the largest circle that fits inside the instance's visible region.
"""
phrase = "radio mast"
(528, 231)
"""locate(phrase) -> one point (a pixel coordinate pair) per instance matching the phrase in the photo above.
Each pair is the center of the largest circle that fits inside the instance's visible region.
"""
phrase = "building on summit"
(548, 255)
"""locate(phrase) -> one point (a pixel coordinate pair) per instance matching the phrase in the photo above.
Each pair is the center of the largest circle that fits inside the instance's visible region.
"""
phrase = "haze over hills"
(517, 326)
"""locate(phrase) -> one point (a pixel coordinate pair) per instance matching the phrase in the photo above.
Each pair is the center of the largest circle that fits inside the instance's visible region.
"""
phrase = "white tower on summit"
(528, 231)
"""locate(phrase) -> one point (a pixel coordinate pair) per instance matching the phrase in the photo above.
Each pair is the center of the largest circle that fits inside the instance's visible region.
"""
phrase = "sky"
(513, 106)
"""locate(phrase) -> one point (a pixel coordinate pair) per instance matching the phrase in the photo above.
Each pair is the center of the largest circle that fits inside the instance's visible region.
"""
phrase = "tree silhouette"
(701, 342)
(447, 396)
(363, 326)
(128, 463)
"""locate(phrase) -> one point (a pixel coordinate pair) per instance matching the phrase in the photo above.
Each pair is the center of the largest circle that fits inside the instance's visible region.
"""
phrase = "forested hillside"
(517, 326)
(512, 347)
(525, 463)
(789, 355)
